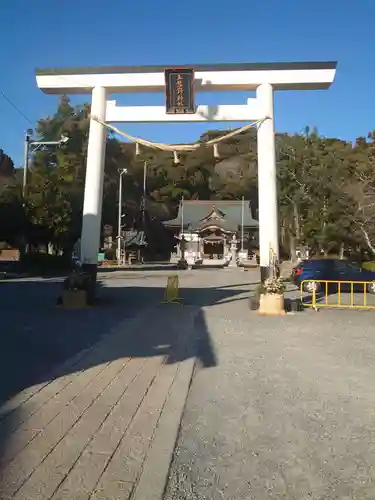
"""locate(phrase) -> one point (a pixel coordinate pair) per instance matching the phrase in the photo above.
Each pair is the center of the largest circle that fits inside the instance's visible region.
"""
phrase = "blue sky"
(48, 33)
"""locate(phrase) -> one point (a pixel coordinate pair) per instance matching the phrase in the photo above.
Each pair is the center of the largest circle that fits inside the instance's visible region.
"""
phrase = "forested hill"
(326, 186)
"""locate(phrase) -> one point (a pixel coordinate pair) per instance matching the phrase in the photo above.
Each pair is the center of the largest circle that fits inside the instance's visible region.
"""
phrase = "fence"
(322, 290)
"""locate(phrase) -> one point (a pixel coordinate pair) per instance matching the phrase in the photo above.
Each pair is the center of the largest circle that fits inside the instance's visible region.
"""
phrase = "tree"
(362, 188)
(325, 185)
(315, 208)
(6, 165)
(13, 218)
(56, 181)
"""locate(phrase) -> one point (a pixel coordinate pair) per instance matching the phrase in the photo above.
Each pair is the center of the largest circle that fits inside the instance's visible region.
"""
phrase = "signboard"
(179, 91)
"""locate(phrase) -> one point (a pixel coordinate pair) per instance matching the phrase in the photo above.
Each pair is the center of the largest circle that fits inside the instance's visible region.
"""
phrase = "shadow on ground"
(149, 266)
(37, 336)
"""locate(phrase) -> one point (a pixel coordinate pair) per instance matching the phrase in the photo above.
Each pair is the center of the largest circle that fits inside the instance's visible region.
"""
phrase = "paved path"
(36, 335)
(288, 412)
(103, 426)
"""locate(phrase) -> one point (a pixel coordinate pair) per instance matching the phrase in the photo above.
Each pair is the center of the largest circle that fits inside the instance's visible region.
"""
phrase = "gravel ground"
(286, 413)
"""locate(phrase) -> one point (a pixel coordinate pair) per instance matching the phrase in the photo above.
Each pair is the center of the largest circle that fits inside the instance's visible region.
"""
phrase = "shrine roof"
(195, 211)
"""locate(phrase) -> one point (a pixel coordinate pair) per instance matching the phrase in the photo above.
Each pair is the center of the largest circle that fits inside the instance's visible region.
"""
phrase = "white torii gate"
(265, 78)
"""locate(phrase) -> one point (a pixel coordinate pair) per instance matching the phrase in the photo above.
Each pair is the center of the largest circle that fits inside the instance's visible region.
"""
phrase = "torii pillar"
(267, 184)
(264, 78)
(92, 203)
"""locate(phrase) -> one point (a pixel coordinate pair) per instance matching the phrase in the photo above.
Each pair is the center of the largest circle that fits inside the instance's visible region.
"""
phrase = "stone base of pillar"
(272, 305)
(233, 263)
(269, 272)
(81, 279)
(265, 273)
(91, 270)
(74, 299)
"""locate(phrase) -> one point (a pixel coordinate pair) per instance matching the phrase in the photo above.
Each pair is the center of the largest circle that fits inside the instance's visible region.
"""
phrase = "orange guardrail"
(321, 290)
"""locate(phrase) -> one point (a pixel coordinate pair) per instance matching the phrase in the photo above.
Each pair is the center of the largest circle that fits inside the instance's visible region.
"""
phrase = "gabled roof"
(214, 214)
(226, 225)
(195, 212)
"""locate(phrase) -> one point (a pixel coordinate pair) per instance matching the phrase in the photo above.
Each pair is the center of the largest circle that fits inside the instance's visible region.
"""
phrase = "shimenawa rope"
(179, 147)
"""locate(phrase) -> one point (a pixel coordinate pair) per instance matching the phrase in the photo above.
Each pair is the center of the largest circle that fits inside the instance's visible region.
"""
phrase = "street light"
(29, 143)
(121, 172)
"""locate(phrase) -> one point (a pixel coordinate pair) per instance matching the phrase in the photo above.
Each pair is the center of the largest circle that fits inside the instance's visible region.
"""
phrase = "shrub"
(274, 285)
(110, 254)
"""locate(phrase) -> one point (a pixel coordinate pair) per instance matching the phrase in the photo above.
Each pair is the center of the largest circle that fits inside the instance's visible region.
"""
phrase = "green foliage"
(315, 206)
(326, 186)
(258, 291)
(6, 165)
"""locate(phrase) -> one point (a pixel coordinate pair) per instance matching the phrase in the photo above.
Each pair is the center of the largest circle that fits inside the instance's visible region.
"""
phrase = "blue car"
(308, 271)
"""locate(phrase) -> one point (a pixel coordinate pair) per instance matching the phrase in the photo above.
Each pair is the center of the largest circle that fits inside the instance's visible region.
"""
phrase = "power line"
(16, 108)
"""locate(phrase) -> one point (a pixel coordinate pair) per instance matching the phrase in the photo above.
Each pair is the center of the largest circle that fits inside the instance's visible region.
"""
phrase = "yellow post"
(171, 294)
(314, 298)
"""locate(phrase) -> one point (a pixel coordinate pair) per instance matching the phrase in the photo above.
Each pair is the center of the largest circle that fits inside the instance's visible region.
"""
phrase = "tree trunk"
(342, 249)
(292, 248)
(325, 227)
(296, 223)
(368, 241)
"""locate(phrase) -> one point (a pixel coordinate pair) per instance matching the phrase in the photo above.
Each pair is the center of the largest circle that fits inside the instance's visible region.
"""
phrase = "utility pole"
(144, 196)
(26, 161)
(242, 221)
(29, 143)
(121, 172)
(182, 241)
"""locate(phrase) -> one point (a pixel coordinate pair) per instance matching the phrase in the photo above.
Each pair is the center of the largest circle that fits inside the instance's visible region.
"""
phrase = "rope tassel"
(137, 149)
(216, 151)
(176, 159)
